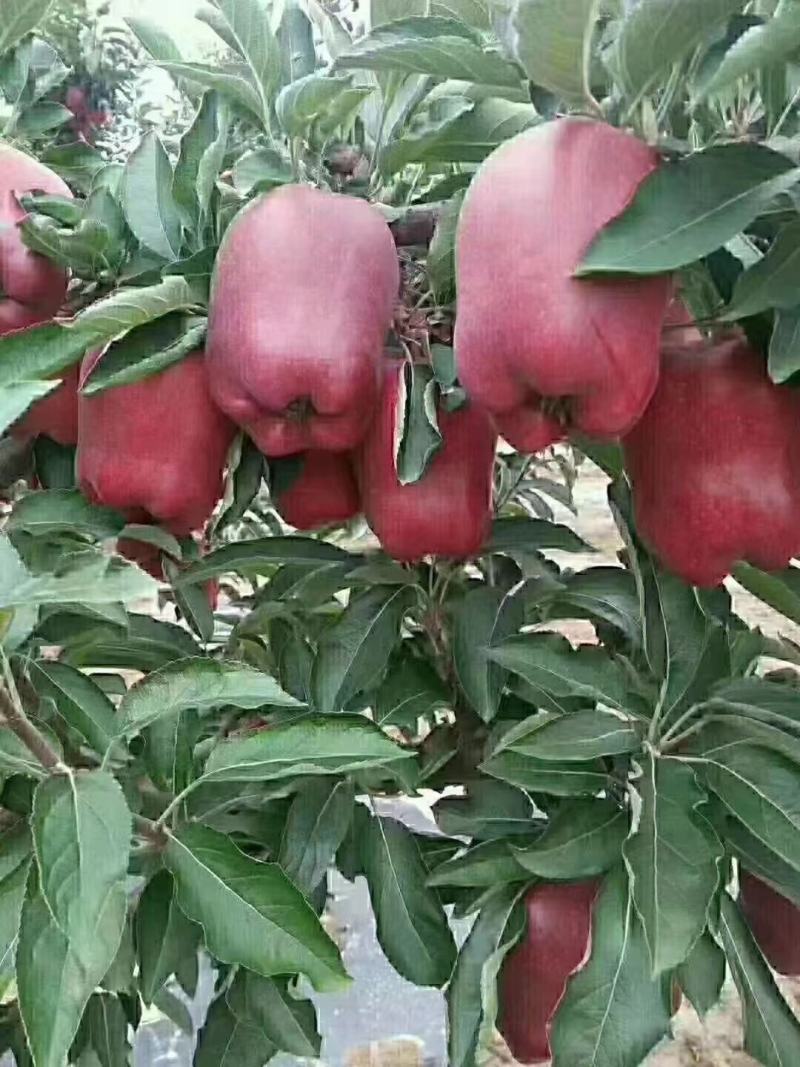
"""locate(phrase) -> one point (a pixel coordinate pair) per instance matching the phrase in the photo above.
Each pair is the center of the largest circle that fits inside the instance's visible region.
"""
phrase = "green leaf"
(81, 832)
(232, 79)
(658, 33)
(554, 44)
(702, 975)
(55, 978)
(578, 735)
(17, 397)
(759, 787)
(86, 250)
(15, 861)
(16, 757)
(310, 100)
(77, 163)
(38, 352)
(549, 662)
(482, 618)
(466, 135)
(104, 1032)
(772, 281)
(688, 208)
(112, 316)
(532, 535)
(55, 511)
(613, 1011)
(547, 776)
(199, 683)
(771, 1031)
(41, 118)
(19, 18)
(200, 161)
(250, 912)
(287, 1022)
(417, 419)
(255, 557)
(673, 859)
(260, 171)
(164, 936)
(225, 1041)
(443, 48)
(155, 39)
(315, 744)
(354, 651)
(147, 350)
(146, 196)
(296, 42)
(489, 810)
(758, 48)
(81, 703)
(605, 594)
(412, 926)
(784, 345)
(761, 860)
(318, 821)
(411, 690)
(779, 589)
(499, 925)
(583, 839)
(489, 863)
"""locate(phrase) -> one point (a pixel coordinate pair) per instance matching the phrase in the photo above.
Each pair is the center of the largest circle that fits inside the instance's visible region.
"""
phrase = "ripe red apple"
(774, 921)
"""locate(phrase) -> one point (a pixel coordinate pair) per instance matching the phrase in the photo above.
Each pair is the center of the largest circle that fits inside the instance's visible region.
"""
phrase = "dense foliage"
(181, 781)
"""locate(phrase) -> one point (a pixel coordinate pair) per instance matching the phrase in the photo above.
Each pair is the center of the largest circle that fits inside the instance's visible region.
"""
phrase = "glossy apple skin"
(303, 296)
(324, 493)
(32, 288)
(534, 976)
(155, 449)
(774, 921)
(715, 462)
(448, 512)
(529, 336)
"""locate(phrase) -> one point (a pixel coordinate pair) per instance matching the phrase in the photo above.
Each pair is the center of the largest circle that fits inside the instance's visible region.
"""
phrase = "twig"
(148, 829)
(18, 722)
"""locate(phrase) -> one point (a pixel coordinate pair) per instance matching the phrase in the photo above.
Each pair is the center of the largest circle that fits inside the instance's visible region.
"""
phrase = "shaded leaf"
(164, 936)
(582, 840)
(318, 820)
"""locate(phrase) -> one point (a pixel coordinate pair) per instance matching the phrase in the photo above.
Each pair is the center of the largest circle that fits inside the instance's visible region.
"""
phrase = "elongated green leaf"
(80, 701)
(547, 776)
(468, 135)
(410, 691)
(758, 48)
(164, 936)
(103, 1032)
(443, 48)
(772, 281)
(38, 352)
(81, 832)
(673, 860)
(250, 912)
(232, 79)
(771, 1031)
(613, 1011)
(490, 863)
(55, 978)
(353, 652)
(549, 662)
(532, 535)
(146, 350)
(484, 618)
(19, 18)
(658, 33)
(758, 787)
(318, 820)
(579, 735)
(226, 1041)
(147, 200)
(316, 744)
(489, 810)
(469, 994)
(199, 683)
(781, 589)
(127, 308)
(15, 861)
(702, 975)
(257, 557)
(247, 23)
(412, 926)
(582, 840)
(287, 1022)
(155, 39)
(606, 594)
(784, 345)
(55, 511)
(200, 161)
(553, 44)
(17, 397)
(688, 208)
